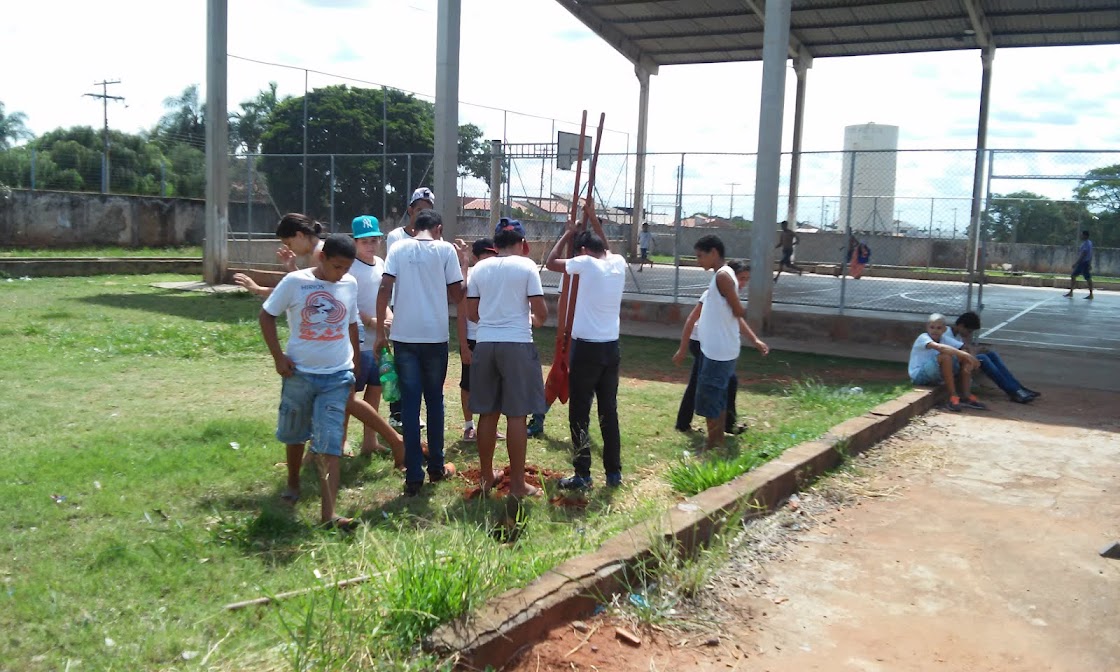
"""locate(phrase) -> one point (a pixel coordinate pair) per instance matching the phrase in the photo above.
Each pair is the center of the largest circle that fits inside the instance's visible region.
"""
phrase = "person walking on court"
(1082, 266)
(786, 240)
(645, 242)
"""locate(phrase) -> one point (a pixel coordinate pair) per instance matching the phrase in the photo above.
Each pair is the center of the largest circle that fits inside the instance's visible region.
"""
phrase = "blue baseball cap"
(506, 224)
(365, 226)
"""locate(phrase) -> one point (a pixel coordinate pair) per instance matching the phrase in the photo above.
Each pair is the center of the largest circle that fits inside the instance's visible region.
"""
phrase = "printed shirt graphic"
(319, 317)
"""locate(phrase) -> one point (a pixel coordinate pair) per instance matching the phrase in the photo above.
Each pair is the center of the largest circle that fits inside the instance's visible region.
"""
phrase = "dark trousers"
(991, 364)
(422, 370)
(593, 373)
(688, 402)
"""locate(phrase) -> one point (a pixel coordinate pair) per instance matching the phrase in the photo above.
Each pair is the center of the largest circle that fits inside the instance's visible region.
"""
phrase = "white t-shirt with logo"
(319, 316)
(599, 301)
(503, 286)
(369, 282)
(718, 327)
(423, 269)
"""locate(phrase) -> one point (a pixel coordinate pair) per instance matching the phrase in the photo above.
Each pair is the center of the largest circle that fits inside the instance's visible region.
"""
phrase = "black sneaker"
(577, 482)
(975, 404)
(614, 479)
(412, 488)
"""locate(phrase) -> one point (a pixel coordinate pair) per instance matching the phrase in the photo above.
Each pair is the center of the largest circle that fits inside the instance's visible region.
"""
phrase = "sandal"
(485, 487)
(289, 496)
(340, 523)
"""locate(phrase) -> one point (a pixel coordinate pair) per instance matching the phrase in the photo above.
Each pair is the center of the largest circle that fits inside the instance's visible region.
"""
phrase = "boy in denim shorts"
(318, 366)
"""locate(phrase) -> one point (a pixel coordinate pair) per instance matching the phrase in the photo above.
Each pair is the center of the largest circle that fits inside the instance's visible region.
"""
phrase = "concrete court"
(1028, 317)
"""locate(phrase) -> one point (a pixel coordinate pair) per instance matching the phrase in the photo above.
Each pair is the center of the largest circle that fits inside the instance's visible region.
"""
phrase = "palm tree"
(185, 120)
(247, 126)
(13, 128)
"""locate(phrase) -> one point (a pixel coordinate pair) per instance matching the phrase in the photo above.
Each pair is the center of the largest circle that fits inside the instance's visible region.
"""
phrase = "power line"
(105, 98)
(414, 93)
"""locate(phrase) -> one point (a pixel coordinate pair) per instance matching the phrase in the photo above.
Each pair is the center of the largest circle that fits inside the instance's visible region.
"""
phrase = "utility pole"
(731, 209)
(105, 98)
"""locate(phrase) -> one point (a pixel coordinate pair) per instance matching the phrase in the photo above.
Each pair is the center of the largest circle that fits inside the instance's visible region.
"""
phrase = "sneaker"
(954, 405)
(449, 472)
(1033, 394)
(470, 435)
(536, 425)
(614, 479)
(577, 482)
(395, 422)
(1021, 397)
(974, 403)
(412, 488)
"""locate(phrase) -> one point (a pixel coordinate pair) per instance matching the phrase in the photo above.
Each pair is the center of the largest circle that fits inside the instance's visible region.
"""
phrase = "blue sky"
(532, 56)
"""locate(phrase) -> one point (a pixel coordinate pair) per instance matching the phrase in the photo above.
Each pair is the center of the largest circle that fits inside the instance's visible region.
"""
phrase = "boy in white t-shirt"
(505, 297)
(719, 338)
(318, 367)
(936, 358)
(483, 248)
(595, 355)
(426, 273)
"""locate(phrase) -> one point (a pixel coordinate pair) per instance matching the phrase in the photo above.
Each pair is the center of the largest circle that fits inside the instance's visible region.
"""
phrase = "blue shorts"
(313, 406)
(930, 373)
(711, 386)
(1082, 269)
(369, 375)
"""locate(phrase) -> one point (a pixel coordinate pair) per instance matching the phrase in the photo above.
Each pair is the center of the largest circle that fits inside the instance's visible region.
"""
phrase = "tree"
(347, 122)
(184, 121)
(1026, 217)
(13, 128)
(247, 127)
(1100, 190)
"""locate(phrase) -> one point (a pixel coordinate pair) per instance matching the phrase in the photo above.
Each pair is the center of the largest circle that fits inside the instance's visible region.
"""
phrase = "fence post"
(677, 232)
(248, 261)
(495, 182)
(162, 178)
(34, 154)
(929, 247)
(847, 230)
(332, 196)
(104, 173)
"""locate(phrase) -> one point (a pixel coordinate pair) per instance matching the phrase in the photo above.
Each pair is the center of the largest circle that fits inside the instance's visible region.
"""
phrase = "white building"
(874, 150)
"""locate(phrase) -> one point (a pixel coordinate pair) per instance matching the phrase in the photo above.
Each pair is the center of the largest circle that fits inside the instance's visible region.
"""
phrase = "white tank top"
(719, 328)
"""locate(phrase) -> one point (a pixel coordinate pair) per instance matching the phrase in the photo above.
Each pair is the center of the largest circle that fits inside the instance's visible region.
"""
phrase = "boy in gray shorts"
(505, 298)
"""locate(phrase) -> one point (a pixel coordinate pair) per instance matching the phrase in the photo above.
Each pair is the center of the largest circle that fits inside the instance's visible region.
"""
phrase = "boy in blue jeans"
(936, 358)
(990, 362)
(318, 367)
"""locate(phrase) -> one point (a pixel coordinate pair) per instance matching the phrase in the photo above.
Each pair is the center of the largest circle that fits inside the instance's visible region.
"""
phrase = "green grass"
(129, 518)
(110, 251)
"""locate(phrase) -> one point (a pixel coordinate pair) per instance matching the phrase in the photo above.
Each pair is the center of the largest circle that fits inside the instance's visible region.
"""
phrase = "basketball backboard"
(567, 149)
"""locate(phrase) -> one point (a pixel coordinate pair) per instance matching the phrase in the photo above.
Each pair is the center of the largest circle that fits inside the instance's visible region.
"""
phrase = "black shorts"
(465, 376)
(787, 256)
(1082, 269)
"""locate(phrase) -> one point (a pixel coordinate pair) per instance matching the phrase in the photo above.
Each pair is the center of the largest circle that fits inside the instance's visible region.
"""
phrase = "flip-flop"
(340, 523)
(485, 488)
(289, 496)
(533, 492)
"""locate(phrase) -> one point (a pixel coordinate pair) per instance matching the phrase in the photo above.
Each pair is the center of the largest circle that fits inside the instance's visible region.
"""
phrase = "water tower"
(876, 162)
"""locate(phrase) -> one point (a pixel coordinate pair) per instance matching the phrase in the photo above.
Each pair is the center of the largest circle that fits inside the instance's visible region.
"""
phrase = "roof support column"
(801, 66)
(987, 55)
(775, 44)
(638, 214)
(215, 258)
(447, 115)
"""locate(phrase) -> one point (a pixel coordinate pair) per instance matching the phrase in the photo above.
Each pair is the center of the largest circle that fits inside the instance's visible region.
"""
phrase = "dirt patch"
(534, 476)
(964, 542)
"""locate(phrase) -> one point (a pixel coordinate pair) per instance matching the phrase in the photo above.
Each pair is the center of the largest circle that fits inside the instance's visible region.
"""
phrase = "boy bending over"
(935, 359)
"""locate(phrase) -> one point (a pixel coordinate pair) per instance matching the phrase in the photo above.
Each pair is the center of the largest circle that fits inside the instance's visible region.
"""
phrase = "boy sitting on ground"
(990, 362)
(934, 361)
(318, 368)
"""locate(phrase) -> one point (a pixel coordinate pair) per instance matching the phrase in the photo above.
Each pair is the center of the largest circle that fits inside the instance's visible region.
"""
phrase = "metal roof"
(675, 32)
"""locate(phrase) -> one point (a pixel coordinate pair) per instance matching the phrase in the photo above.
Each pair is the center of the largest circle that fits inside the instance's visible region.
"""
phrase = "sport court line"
(1011, 319)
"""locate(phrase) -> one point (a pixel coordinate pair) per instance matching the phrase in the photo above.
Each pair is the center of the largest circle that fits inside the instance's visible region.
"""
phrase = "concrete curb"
(58, 267)
(521, 616)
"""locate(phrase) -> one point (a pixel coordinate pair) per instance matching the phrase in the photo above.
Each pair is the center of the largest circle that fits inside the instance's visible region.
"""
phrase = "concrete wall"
(71, 219)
